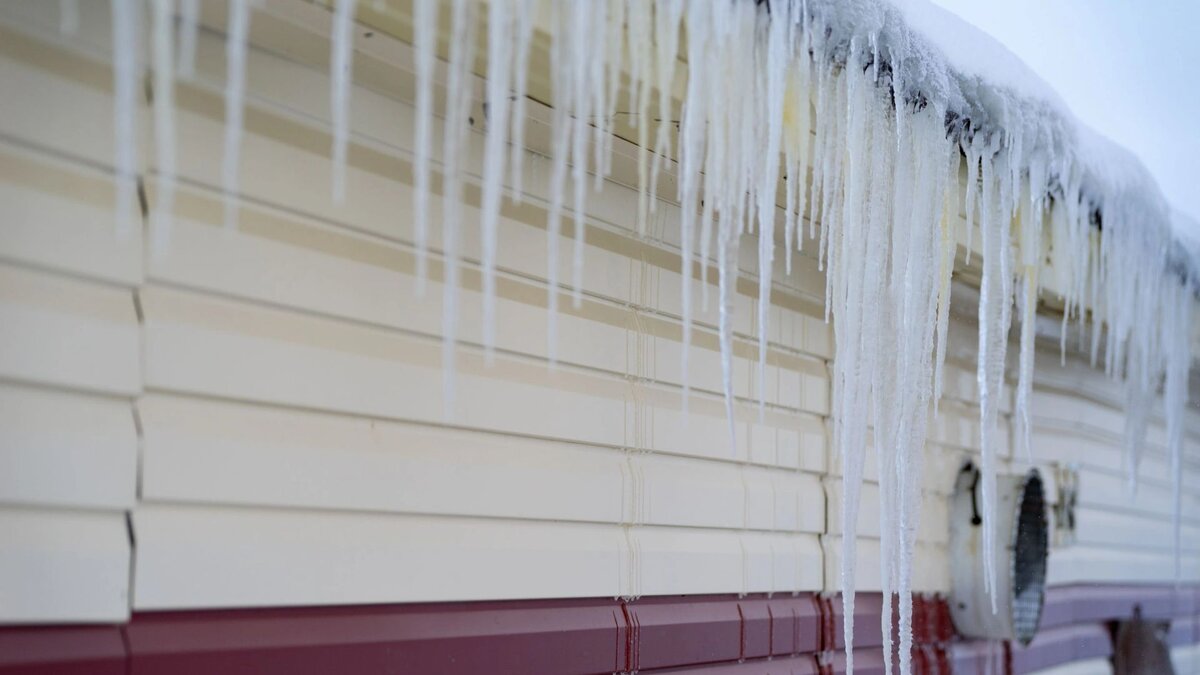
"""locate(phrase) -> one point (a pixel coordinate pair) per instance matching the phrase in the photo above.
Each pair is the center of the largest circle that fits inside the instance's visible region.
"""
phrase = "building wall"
(254, 417)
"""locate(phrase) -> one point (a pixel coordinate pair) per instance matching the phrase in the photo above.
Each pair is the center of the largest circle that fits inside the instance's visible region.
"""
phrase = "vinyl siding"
(261, 410)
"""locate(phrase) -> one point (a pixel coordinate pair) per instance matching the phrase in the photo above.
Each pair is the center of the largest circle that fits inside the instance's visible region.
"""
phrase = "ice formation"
(884, 102)
(889, 104)
(341, 62)
(454, 156)
(189, 24)
(425, 30)
(164, 120)
(125, 90)
(235, 89)
(500, 37)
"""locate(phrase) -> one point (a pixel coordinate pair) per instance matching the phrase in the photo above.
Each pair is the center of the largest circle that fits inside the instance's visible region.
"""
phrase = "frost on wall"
(886, 102)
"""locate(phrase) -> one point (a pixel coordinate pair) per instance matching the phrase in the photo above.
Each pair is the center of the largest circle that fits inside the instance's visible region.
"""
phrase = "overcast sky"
(1128, 68)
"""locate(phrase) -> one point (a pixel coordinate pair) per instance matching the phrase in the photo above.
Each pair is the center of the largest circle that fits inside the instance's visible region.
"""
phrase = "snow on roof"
(981, 80)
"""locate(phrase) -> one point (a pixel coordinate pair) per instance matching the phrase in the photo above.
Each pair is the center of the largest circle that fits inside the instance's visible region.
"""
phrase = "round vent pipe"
(1022, 546)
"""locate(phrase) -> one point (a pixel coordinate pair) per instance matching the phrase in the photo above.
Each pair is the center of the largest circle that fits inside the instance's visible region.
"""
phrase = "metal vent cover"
(1022, 538)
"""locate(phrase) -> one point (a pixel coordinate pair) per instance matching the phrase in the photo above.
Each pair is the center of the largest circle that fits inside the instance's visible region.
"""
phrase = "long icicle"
(563, 83)
(425, 28)
(189, 23)
(524, 38)
(235, 89)
(125, 79)
(692, 137)
(164, 123)
(454, 155)
(500, 49)
(774, 72)
(341, 65)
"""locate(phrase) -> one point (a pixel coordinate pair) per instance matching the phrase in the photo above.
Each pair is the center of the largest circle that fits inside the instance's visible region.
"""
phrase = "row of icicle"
(770, 91)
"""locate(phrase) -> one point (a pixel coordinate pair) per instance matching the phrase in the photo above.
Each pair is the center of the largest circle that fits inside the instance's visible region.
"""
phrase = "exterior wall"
(260, 410)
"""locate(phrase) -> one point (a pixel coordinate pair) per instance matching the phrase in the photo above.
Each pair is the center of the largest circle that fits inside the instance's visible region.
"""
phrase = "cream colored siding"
(265, 404)
(69, 340)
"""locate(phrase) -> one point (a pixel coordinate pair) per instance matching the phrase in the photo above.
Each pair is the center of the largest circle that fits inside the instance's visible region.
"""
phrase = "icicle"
(68, 17)
(562, 73)
(235, 87)
(667, 15)
(189, 22)
(613, 62)
(734, 29)
(973, 159)
(454, 154)
(854, 289)
(500, 31)
(341, 64)
(774, 80)
(425, 28)
(995, 299)
(691, 139)
(125, 90)
(524, 37)
(582, 37)
(164, 122)
(949, 242)
(1177, 308)
(641, 55)
(796, 143)
(1031, 252)
(888, 127)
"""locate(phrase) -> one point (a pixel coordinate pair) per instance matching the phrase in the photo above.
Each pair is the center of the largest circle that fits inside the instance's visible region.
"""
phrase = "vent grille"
(1031, 542)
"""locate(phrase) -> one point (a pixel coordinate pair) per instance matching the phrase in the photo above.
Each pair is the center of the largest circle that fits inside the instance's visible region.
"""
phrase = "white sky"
(1129, 69)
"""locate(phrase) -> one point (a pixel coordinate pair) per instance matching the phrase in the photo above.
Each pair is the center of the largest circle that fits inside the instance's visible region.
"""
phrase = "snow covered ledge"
(887, 103)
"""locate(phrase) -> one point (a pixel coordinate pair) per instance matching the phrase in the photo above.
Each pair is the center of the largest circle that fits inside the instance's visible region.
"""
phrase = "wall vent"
(1021, 548)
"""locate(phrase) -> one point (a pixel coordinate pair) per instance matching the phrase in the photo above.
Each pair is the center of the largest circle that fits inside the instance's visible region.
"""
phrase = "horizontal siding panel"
(287, 260)
(66, 449)
(684, 492)
(59, 215)
(1110, 491)
(210, 346)
(1073, 412)
(43, 20)
(678, 561)
(294, 458)
(190, 557)
(216, 452)
(216, 347)
(1103, 453)
(1087, 564)
(64, 332)
(930, 566)
(72, 113)
(59, 566)
(935, 520)
(1129, 531)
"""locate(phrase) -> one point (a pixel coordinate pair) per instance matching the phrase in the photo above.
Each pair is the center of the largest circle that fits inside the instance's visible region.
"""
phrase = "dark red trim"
(67, 650)
(714, 635)
(552, 636)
